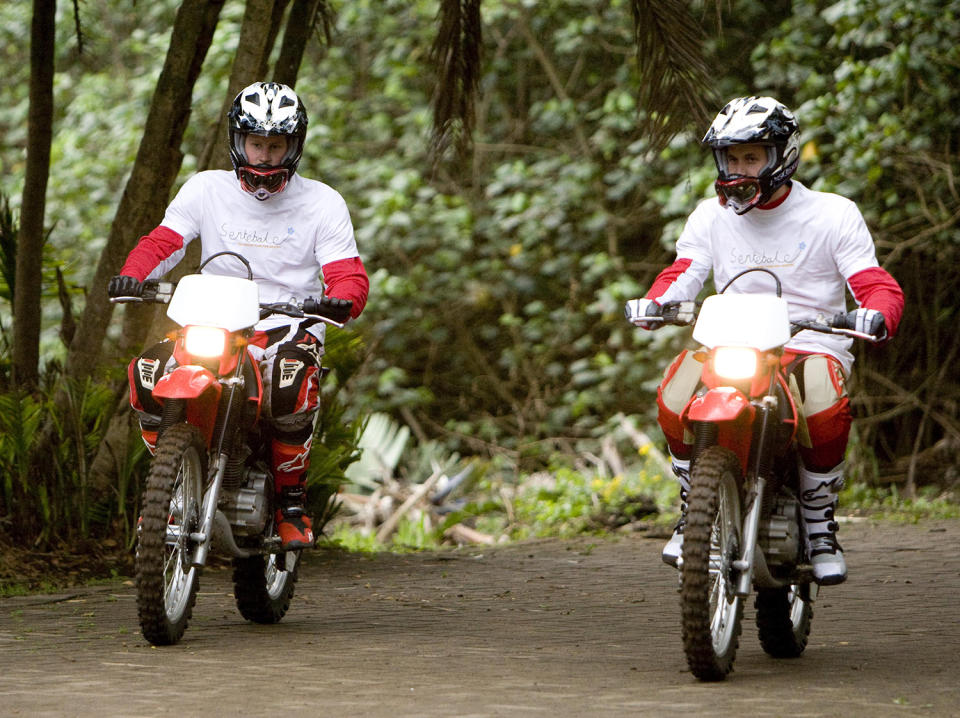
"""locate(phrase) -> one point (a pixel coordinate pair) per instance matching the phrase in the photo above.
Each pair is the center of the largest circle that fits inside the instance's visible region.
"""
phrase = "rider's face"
(265, 151)
(746, 160)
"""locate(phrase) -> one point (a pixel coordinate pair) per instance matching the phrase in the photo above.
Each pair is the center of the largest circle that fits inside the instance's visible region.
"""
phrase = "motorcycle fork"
(223, 441)
(756, 481)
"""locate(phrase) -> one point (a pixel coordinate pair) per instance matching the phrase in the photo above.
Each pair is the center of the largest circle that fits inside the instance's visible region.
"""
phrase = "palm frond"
(456, 53)
(382, 443)
(675, 88)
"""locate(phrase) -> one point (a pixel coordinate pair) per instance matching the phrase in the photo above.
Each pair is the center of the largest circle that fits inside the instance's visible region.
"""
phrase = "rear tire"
(784, 616)
(712, 541)
(167, 581)
(263, 586)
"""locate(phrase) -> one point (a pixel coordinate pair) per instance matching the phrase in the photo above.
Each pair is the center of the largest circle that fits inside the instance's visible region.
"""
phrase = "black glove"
(868, 321)
(331, 307)
(124, 286)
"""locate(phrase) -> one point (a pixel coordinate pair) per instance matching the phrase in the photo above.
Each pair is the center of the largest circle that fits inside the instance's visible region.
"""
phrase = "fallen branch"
(390, 525)
(464, 534)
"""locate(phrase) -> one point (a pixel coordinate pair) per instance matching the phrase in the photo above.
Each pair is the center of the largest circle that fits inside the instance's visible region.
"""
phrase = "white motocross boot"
(818, 501)
(674, 548)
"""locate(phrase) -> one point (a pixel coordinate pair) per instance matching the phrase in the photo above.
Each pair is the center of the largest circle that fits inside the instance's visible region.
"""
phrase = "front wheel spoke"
(170, 565)
(718, 621)
(173, 585)
(176, 555)
(716, 591)
(717, 624)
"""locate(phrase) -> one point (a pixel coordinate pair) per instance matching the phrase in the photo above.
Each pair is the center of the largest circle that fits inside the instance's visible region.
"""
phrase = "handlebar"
(825, 326)
(153, 291)
(684, 313)
(677, 313)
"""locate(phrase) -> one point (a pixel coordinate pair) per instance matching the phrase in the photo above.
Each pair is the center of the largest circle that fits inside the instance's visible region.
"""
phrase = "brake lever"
(290, 310)
(853, 333)
(825, 328)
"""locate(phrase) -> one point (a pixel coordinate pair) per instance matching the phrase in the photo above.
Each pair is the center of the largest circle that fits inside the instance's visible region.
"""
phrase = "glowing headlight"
(735, 362)
(205, 341)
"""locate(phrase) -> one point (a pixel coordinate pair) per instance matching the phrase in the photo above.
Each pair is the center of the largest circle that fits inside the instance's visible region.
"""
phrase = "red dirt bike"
(209, 483)
(744, 527)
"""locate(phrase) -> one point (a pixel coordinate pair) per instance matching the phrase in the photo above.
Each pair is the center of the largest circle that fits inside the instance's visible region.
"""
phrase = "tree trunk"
(304, 17)
(27, 289)
(276, 20)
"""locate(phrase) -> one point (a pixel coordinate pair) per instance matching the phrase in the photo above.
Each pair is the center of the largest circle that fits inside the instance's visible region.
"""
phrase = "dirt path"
(547, 628)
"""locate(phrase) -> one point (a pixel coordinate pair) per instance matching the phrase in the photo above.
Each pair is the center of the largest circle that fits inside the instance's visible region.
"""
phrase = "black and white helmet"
(269, 109)
(754, 120)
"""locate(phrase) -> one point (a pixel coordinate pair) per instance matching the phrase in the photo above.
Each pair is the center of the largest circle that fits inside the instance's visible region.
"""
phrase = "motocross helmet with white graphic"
(268, 109)
(754, 120)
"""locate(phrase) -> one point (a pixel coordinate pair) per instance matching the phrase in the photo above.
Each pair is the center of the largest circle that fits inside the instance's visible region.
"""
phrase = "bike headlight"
(205, 341)
(735, 362)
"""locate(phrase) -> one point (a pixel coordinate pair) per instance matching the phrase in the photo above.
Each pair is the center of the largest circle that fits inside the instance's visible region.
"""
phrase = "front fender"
(201, 391)
(719, 405)
(185, 382)
(731, 412)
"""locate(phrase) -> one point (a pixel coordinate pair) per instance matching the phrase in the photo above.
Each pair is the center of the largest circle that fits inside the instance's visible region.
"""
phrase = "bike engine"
(246, 507)
(780, 534)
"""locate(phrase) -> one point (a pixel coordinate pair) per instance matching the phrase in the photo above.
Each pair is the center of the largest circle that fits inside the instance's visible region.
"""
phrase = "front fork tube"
(211, 497)
(210, 501)
(757, 480)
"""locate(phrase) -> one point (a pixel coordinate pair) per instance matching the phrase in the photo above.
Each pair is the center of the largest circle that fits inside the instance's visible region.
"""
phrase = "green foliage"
(566, 502)
(20, 417)
(336, 440)
(888, 503)
(123, 501)
(53, 499)
(878, 101)
(343, 536)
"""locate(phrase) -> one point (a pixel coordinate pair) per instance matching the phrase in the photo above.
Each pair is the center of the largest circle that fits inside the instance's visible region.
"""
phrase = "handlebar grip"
(337, 310)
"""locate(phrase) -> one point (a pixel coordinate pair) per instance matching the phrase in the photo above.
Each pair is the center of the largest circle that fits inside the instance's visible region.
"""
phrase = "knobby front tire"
(712, 541)
(171, 509)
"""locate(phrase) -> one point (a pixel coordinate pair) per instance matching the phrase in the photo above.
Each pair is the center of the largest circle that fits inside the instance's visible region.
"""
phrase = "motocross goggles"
(263, 182)
(740, 193)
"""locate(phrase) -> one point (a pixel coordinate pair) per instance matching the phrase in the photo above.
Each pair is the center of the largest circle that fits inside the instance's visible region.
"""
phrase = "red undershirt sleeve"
(667, 277)
(875, 288)
(152, 249)
(347, 279)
